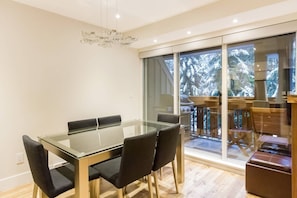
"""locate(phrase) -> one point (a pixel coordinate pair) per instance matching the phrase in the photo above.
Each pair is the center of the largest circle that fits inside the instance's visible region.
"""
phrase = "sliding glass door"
(200, 82)
(221, 91)
(261, 73)
(158, 86)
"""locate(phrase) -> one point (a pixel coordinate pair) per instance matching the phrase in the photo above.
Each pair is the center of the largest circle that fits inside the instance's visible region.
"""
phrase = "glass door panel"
(158, 75)
(261, 73)
(200, 83)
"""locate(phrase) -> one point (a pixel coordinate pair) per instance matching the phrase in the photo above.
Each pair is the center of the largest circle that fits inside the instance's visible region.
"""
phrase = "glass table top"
(105, 138)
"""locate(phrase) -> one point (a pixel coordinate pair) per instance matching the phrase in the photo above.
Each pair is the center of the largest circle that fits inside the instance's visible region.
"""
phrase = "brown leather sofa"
(269, 175)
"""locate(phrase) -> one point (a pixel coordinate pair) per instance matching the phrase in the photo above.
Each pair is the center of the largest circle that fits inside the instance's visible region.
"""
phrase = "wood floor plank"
(201, 181)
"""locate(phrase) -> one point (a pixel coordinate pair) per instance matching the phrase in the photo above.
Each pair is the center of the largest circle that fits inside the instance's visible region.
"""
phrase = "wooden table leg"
(180, 157)
(82, 179)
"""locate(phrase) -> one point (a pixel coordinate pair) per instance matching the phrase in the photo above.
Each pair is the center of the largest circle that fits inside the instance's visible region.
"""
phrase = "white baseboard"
(14, 181)
(24, 178)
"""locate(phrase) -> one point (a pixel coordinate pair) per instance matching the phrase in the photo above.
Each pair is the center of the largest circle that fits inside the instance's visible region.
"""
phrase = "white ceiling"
(168, 20)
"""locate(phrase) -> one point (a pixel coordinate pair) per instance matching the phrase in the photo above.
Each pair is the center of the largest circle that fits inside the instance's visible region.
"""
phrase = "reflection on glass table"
(90, 147)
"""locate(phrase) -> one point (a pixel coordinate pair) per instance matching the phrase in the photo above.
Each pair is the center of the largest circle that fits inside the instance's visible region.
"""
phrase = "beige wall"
(47, 77)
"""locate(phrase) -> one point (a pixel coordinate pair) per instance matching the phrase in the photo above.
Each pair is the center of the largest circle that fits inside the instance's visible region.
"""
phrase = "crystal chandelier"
(109, 36)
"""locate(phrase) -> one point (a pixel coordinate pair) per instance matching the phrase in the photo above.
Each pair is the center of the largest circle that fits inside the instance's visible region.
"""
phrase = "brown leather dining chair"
(165, 153)
(169, 118)
(134, 163)
(52, 182)
(82, 125)
(114, 119)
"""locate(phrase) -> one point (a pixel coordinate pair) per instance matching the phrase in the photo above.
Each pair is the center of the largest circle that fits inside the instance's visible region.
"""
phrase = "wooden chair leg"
(156, 184)
(43, 195)
(94, 185)
(175, 176)
(40, 193)
(99, 185)
(120, 193)
(35, 191)
(161, 172)
(149, 179)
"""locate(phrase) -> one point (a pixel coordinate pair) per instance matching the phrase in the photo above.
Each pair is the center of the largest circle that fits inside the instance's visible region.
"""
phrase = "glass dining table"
(89, 147)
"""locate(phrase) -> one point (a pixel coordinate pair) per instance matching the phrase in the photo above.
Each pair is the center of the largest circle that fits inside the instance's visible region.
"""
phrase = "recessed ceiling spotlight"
(235, 20)
(155, 41)
(118, 16)
(189, 32)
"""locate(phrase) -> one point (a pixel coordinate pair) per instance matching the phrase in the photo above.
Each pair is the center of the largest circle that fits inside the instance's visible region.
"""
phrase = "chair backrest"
(170, 118)
(82, 125)
(38, 163)
(137, 158)
(166, 146)
(268, 120)
(114, 119)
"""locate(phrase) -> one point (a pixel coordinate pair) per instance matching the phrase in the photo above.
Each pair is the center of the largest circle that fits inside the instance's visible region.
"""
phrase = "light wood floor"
(201, 181)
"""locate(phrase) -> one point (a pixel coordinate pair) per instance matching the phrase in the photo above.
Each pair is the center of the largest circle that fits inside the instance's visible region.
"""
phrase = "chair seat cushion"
(109, 169)
(68, 171)
(60, 182)
(270, 160)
